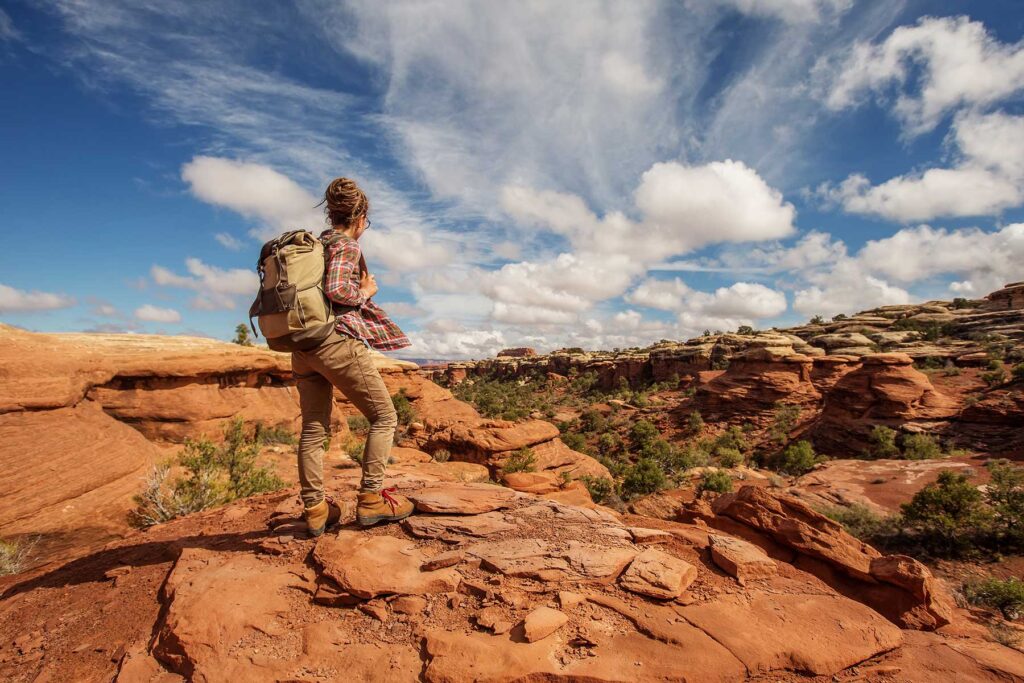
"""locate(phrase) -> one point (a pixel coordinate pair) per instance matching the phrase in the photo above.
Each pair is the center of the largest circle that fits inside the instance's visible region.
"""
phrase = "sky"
(544, 174)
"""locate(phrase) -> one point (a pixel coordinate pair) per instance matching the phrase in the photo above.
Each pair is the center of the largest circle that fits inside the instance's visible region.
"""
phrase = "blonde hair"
(345, 202)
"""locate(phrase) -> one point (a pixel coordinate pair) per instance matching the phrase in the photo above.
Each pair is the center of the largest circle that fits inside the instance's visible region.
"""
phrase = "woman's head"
(345, 203)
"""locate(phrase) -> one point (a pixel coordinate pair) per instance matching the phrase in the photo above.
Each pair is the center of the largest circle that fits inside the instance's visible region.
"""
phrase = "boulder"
(531, 482)
(463, 500)
(658, 575)
(741, 559)
(455, 528)
(542, 622)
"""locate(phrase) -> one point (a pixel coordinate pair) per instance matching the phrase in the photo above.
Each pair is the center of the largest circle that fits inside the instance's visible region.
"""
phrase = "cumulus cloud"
(988, 178)
(217, 288)
(935, 67)
(151, 313)
(743, 301)
(20, 301)
(229, 241)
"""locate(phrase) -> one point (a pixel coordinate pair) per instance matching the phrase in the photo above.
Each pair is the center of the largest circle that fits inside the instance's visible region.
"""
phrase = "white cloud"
(229, 241)
(746, 301)
(792, 11)
(988, 178)
(20, 301)
(255, 191)
(8, 33)
(667, 295)
(156, 314)
(216, 287)
(959, 64)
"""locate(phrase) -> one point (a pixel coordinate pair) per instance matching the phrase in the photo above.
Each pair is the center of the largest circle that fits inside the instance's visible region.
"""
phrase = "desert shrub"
(817, 320)
(1005, 595)
(356, 448)
(646, 476)
(1005, 496)
(996, 374)
(403, 407)
(733, 438)
(441, 455)
(795, 459)
(14, 555)
(947, 516)
(960, 302)
(358, 424)
(1018, 371)
(864, 523)
(575, 441)
(691, 456)
(242, 337)
(273, 435)
(729, 457)
(784, 420)
(600, 488)
(921, 447)
(951, 370)
(642, 432)
(745, 330)
(717, 481)
(840, 316)
(883, 442)
(509, 400)
(522, 460)
(694, 422)
(609, 444)
(593, 421)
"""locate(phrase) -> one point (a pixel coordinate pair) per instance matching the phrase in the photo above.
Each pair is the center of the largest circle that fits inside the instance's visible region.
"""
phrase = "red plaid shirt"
(369, 323)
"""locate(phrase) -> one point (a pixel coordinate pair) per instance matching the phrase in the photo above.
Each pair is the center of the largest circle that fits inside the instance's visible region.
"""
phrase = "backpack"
(292, 310)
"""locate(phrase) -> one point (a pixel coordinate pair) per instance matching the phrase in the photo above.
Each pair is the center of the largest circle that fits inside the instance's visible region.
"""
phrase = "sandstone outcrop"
(201, 599)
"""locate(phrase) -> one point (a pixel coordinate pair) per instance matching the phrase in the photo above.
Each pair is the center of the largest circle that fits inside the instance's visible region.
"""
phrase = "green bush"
(695, 423)
(593, 421)
(783, 421)
(733, 438)
(1007, 595)
(403, 407)
(1005, 496)
(948, 516)
(441, 455)
(273, 435)
(717, 481)
(1018, 372)
(14, 555)
(795, 459)
(745, 330)
(355, 448)
(691, 456)
(921, 447)
(609, 444)
(645, 477)
(729, 457)
(642, 432)
(358, 424)
(864, 523)
(817, 320)
(996, 374)
(600, 488)
(575, 441)
(214, 475)
(522, 460)
(883, 442)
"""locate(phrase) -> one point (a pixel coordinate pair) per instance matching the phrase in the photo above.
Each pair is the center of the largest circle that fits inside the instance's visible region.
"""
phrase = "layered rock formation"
(514, 588)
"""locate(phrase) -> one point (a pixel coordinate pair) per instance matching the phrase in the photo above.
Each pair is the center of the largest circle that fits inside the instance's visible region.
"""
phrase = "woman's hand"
(368, 285)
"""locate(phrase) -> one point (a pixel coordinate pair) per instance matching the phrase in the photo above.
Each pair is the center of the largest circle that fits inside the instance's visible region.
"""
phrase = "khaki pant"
(345, 363)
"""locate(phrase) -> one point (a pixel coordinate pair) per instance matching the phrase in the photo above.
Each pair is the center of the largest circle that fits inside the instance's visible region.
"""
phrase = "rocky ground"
(526, 581)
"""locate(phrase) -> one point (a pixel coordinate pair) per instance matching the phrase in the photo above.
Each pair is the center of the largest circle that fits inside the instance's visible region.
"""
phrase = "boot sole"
(370, 521)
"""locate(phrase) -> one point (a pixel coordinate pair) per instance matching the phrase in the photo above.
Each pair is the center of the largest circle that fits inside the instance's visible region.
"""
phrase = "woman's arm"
(341, 285)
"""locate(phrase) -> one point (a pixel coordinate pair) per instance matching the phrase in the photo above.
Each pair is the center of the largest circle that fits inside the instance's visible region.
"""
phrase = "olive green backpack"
(292, 310)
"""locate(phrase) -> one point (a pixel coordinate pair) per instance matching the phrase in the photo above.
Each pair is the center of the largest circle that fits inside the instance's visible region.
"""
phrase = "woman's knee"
(385, 417)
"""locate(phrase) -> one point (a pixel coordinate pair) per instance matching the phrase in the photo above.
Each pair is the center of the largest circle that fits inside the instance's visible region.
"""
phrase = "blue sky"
(596, 174)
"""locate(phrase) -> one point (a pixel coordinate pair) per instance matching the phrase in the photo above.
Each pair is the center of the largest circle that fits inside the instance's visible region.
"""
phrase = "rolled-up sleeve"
(342, 282)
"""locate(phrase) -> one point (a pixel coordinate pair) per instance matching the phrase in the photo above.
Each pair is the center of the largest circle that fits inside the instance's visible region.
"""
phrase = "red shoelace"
(386, 495)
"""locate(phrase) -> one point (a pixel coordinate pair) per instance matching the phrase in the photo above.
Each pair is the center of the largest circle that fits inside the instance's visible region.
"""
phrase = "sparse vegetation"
(783, 421)
(1018, 372)
(716, 481)
(1005, 595)
(242, 337)
(947, 517)
(695, 423)
(864, 523)
(441, 455)
(274, 435)
(795, 459)
(818, 320)
(403, 407)
(645, 477)
(600, 488)
(14, 555)
(921, 447)
(358, 424)
(883, 442)
(355, 448)
(996, 374)
(214, 475)
(522, 460)
(745, 330)
(729, 457)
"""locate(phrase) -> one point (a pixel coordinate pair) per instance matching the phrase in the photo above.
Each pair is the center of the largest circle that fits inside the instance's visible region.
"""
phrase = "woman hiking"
(343, 361)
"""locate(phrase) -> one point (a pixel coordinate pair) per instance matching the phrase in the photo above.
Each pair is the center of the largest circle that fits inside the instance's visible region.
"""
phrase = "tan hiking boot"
(322, 515)
(385, 506)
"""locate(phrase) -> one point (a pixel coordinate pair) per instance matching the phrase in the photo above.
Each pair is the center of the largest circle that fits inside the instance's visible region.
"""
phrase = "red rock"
(534, 558)
(643, 536)
(542, 622)
(571, 496)
(442, 560)
(531, 482)
(463, 500)
(368, 566)
(452, 528)
(932, 608)
(819, 634)
(567, 599)
(409, 604)
(658, 575)
(743, 560)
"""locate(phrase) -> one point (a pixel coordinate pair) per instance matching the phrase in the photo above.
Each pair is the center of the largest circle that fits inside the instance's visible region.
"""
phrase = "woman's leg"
(346, 362)
(315, 401)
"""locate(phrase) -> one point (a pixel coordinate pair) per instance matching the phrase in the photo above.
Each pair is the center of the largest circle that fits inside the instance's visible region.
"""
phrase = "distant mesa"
(520, 352)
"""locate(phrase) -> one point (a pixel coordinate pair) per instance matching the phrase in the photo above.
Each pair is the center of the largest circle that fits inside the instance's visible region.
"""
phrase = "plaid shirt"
(369, 323)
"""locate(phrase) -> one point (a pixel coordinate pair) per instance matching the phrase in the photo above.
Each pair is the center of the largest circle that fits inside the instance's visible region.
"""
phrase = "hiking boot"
(322, 515)
(385, 506)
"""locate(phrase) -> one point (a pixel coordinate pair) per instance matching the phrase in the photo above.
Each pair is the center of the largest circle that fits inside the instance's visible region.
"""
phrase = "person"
(343, 360)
